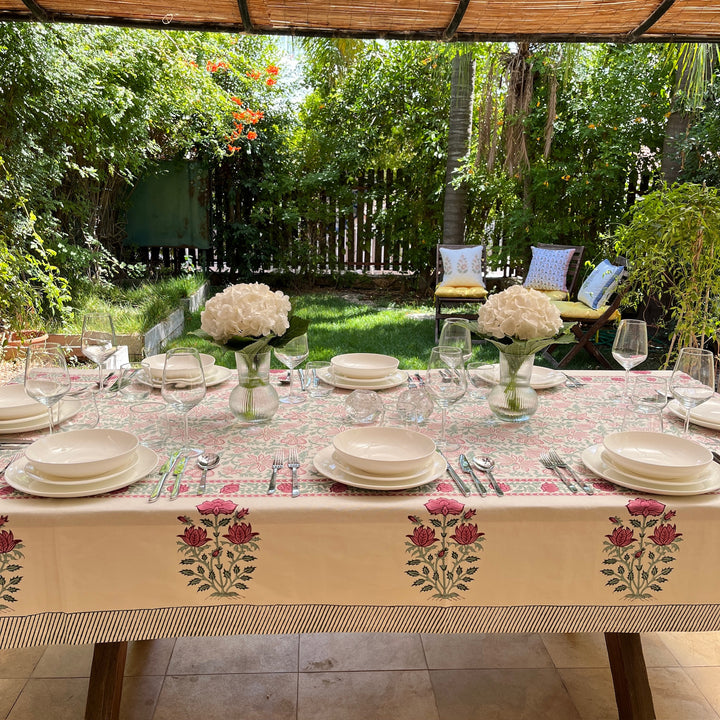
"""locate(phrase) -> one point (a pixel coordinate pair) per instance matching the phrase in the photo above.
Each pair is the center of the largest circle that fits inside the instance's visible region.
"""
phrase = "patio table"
(114, 568)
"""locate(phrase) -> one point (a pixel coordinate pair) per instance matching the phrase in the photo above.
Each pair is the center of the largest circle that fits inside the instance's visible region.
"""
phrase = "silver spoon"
(206, 461)
(486, 464)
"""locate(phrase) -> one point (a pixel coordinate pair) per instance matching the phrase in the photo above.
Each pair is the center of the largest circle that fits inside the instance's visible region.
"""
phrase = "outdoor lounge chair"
(589, 320)
(459, 281)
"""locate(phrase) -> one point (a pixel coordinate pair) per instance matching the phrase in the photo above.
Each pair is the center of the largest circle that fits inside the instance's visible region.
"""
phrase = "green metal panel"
(168, 207)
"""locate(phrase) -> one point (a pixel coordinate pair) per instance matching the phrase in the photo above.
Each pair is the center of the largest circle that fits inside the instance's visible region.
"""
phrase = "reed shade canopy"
(456, 20)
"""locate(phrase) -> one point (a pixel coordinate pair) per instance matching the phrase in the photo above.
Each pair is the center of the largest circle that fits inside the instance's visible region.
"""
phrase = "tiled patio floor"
(367, 677)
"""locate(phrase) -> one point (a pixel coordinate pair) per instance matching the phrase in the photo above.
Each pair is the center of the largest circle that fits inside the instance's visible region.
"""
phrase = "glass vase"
(512, 399)
(254, 400)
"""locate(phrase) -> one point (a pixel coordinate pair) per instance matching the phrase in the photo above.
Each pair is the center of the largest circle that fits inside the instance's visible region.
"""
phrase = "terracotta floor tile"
(504, 694)
(326, 652)
(513, 650)
(390, 695)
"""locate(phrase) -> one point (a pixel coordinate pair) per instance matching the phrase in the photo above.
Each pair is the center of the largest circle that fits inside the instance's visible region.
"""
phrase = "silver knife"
(587, 488)
(464, 489)
(178, 471)
(467, 468)
(165, 470)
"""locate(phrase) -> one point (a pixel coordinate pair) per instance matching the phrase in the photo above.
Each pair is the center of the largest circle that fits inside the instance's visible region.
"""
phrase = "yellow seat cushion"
(553, 294)
(451, 291)
(581, 311)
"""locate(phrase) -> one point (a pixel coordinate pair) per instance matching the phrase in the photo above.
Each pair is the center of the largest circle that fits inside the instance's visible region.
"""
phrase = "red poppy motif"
(194, 537)
(466, 534)
(443, 506)
(8, 541)
(664, 535)
(217, 507)
(621, 537)
(241, 533)
(422, 537)
(645, 507)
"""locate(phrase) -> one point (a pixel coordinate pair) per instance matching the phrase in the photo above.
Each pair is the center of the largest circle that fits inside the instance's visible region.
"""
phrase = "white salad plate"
(391, 381)
(593, 459)
(542, 378)
(705, 415)
(16, 404)
(325, 464)
(214, 375)
(67, 408)
(156, 365)
(17, 478)
(34, 474)
(365, 366)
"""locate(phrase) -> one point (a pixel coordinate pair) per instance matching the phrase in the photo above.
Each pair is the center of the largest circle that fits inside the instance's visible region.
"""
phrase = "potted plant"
(671, 240)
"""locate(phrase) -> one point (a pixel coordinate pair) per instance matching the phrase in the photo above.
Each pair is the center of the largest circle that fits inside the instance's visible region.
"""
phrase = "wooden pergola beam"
(643, 27)
(247, 22)
(457, 19)
(39, 13)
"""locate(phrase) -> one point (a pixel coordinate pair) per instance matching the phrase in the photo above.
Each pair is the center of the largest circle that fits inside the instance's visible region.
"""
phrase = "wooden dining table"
(113, 568)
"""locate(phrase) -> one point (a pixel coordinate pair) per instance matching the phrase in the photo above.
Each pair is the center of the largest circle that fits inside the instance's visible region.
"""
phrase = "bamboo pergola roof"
(446, 20)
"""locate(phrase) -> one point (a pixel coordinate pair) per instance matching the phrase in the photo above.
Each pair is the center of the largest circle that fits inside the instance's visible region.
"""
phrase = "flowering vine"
(445, 564)
(212, 563)
(641, 563)
(9, 555)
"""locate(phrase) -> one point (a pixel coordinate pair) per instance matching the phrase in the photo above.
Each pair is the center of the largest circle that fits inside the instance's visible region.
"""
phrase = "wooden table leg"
(627, 664)
(106, 679)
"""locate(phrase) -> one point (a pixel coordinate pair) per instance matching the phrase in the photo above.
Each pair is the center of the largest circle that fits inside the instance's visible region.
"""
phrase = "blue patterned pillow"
(548, 269)
(600, 284)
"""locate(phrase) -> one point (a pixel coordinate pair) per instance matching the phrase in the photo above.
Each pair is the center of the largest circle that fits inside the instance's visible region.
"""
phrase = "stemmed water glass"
(693, 379)
(446, 381)
(183, 385)
(291, 355)
(630, 347)
(47, 378)
(455, 333)
(98, 341)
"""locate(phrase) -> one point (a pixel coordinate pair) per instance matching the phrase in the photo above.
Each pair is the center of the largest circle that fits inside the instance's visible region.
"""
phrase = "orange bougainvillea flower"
(251, 135)
(255, 74)
(272, 69)
(270, 81)
(236, 100)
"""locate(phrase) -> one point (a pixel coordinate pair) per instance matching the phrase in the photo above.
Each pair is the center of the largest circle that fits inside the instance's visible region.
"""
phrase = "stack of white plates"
(370, 371)
(381, 458)
(706, 415)
(654, 462)
(20, 413)
(214, 375)
(542, 378)
(81, 462)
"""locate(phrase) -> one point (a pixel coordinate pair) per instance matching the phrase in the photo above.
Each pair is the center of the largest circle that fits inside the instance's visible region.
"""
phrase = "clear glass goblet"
(183, 386)
(291, 354)
(630, 347)
(455, 333)
(47, 378)
(693, 379)
(98, 341)
(446, 381)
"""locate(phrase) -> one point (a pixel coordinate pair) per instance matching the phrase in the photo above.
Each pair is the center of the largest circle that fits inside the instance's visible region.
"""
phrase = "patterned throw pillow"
(462, 267)
(600, 284)
(548, 269)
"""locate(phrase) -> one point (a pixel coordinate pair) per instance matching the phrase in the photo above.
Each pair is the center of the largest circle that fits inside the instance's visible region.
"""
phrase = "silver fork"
(12, 459)
(277, 463)
(550, 465)
(564, 465)
(294, 464)
(571, 381)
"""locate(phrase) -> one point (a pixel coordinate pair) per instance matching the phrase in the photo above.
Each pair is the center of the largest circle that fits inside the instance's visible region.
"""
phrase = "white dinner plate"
(34, 474)
(16, 477)
(592, 457)
(542, 378)
(367, 476)
(67, 408)
(391, 381)
(16, 404)
(215, 375)
(326, 465)
(705, 415)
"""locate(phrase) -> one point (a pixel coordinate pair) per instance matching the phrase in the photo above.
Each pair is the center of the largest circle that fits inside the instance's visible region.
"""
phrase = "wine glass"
(455, 333)
(630, 347)
(47, 378)
(291, 354)
(183, 385)
(98, 341)
(446, 381)
(693, 379)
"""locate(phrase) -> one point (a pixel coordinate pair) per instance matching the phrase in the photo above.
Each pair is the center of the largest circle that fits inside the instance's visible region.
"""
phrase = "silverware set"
(571, 381)
(552, 461)
(293, 462)
(485, 464)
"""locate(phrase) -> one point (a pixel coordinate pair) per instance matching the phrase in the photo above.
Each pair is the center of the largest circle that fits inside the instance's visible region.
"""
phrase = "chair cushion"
(581, 311)
(462, 267)
(476, 291)
(600, 284)
(554, 294)
(548, 269)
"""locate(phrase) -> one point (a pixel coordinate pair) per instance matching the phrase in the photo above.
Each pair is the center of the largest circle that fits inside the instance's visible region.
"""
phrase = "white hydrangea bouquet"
(249, 317)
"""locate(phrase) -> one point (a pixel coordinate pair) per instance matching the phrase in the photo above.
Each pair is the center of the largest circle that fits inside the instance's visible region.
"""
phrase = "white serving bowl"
(156, 363)
(16, 404)
(364, 365)
(383, 450)
(656, 455)
(82, 453)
